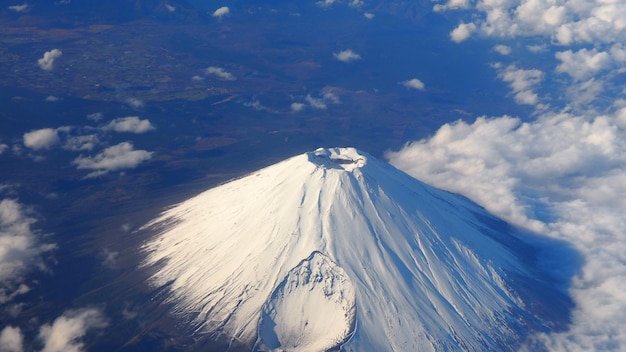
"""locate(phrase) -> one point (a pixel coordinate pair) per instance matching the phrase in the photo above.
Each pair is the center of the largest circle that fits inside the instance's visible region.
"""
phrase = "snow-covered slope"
(335, 248)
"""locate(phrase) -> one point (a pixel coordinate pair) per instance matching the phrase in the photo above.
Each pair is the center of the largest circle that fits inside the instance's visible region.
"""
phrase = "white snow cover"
(390, 263)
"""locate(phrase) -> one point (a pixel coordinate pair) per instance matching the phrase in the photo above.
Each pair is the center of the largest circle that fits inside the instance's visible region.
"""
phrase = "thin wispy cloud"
(135, 103)
(46, 63)
(81, 143)
(19, 8)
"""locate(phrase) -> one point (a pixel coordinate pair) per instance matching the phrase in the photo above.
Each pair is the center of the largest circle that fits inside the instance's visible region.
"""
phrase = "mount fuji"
(336, 250)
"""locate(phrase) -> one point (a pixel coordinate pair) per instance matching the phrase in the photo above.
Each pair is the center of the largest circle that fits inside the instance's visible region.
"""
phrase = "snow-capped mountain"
(335, 249)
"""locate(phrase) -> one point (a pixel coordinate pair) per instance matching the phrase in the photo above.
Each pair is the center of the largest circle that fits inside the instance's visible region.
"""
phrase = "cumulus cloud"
(368, 15)
(413, 83)
(3, 148)
(44, 138)
(502, 49)
(130, 124)
(221, 12)
(297, 106)
(452, 5)
(11, 339)
(462, 32)
(523, 83)
(118, 157)
(347, 56)
(170, 8)
(65, 334)
(561, 171)
(20, 248)
(219, 73)
(46, 63)
(563, 175)
(564, 22)
(321, 103)
(583, 63)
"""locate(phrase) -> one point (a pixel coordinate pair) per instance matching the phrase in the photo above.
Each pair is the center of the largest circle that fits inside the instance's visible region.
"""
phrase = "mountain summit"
(334, 249)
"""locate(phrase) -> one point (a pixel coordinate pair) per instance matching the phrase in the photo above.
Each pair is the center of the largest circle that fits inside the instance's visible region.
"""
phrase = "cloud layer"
(20, 249)
(65, 334)
(562, 170)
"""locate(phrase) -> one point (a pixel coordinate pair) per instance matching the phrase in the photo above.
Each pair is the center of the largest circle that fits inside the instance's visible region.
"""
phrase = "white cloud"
(219, 73)
(135, 103)
(46, 63)
(462, 32)
(325, 3)
(322, 103)
(451, 5)
(583, 63)
(294, 107)
(347, 56)
(537, 48)
(502, 49)
(11, 339)
(96, 116)
(357, 3)
(81, 143)
(51, 98)
(44, 138)
(413, 83)
(20, 249)
(221, 12)
(67, 331)
(118, 157)
(170, 8)
(315, 102)
(563, 175)
(368, 15)
(3, 148)
(255, 104)
(523, 83)
(131, 124)
(19, 8)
